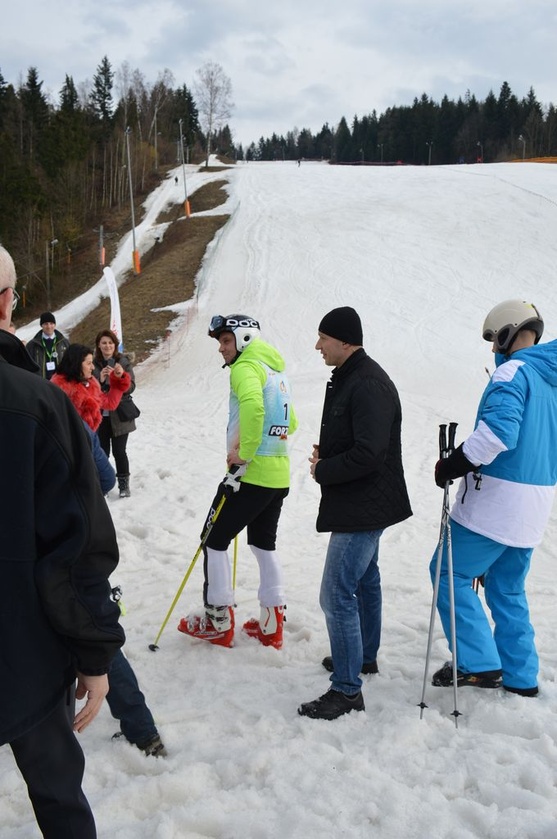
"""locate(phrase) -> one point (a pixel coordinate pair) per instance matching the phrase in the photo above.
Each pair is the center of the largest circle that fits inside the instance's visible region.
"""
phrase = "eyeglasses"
(16, 297)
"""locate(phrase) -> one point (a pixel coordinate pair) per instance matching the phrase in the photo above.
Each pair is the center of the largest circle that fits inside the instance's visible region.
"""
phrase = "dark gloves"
(454, 466)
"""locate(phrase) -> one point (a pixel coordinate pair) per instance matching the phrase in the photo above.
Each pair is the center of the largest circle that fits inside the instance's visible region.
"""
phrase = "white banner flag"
(115, 318)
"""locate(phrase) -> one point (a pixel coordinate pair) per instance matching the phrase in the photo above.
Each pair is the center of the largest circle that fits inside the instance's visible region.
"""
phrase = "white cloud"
(295, 63)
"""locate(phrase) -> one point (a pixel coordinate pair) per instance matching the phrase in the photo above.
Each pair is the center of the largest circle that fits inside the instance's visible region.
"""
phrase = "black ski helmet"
(243, 327)
(505, 321)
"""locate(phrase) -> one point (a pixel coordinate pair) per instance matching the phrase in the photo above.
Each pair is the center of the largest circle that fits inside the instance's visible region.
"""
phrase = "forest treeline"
(66, 164)
(498, 128)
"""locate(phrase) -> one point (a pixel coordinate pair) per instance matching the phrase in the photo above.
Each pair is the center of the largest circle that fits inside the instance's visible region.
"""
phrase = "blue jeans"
(351, 600)
(510, 646)
(127, 703)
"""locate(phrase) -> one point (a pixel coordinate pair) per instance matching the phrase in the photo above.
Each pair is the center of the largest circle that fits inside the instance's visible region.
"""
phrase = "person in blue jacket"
(105, 471)
(509, 470)
(125, 699)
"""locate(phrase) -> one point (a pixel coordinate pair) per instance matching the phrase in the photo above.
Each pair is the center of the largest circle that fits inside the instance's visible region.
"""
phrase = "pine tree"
(35, 113)
(101, 95)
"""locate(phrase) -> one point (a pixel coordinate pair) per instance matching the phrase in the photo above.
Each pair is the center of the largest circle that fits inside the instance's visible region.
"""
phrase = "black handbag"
(127, 410)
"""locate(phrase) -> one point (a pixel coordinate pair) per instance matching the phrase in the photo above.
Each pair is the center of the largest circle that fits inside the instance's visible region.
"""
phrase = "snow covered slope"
(422, 254)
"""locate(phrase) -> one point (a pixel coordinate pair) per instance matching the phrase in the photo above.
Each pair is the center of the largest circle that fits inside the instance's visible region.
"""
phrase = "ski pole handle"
(442, 440)
(452, 435)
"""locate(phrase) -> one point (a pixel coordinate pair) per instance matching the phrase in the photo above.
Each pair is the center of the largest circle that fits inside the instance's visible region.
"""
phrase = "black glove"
(454, 466)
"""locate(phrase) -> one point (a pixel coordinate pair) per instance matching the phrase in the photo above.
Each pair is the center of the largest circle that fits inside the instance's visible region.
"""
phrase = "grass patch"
(167, 276)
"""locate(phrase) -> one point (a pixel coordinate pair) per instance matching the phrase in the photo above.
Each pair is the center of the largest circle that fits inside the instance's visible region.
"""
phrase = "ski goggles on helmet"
(230, 323)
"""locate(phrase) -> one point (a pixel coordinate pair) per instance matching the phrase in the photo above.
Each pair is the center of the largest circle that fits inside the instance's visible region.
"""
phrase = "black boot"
(124, 485)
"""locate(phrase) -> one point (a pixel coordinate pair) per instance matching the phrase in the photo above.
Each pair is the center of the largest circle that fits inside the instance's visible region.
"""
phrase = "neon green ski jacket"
(261, 415)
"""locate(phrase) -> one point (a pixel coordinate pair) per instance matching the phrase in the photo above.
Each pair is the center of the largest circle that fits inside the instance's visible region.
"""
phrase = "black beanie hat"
(344, 324)
(47, 317)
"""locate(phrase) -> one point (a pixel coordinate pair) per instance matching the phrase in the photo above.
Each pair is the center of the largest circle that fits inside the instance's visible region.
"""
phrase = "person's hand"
(118, 371)
(314, 460)
(454, 466)
(95, 689)
(233, 457)
(105, 374)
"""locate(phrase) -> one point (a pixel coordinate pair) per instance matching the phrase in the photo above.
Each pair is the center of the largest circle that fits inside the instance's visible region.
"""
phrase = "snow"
(422, 254)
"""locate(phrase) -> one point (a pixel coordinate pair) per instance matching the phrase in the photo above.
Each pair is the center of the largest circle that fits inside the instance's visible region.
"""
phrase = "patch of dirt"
(167, 276)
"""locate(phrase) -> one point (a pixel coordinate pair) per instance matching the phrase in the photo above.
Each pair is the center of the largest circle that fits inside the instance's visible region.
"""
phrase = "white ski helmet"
(505, 321)
(243, 327)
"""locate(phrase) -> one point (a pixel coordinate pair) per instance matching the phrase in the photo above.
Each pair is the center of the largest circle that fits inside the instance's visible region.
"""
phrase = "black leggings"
(118, 446)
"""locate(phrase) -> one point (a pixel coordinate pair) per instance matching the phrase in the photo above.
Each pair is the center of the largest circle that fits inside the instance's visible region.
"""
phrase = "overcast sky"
(294, 63)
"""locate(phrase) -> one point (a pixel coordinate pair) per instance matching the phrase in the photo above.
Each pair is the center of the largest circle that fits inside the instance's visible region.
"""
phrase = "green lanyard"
(51, 352)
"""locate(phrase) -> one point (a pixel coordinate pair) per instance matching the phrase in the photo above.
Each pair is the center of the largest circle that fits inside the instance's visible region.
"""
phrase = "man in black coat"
(358, 465)
(48, 346)
(57, 550)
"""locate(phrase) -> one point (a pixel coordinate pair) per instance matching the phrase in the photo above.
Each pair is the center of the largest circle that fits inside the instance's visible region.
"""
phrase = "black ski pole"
(452, 435)
(446, 446)
(452, 611)
(422, 705)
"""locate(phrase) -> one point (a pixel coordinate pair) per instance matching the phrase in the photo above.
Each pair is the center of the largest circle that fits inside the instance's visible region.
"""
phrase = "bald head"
(7, 282)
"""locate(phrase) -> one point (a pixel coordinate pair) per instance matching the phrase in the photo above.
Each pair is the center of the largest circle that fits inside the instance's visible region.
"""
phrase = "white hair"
(7, 269)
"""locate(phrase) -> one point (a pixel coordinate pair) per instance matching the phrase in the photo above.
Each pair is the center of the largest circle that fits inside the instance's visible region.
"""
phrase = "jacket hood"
(13, 351)
(260, 350)
(542, 358)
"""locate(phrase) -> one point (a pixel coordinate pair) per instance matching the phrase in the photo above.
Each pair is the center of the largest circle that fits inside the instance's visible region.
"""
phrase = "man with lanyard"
(48, 346)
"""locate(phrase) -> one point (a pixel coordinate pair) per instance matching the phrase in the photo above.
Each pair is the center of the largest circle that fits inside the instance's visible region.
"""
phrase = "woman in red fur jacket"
(75, 377)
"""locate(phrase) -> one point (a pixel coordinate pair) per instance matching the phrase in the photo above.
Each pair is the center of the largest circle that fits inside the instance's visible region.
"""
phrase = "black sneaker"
(486, 679)
(522, 691)
(154, 747)
(331, 705)
(367, 667)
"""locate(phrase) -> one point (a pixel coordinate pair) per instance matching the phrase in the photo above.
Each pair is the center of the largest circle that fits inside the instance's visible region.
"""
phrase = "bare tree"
(213, 90)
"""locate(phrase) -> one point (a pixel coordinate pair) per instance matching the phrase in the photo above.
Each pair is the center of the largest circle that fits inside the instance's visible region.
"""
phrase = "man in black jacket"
(48, 346)
(358, 465)
(57, 550)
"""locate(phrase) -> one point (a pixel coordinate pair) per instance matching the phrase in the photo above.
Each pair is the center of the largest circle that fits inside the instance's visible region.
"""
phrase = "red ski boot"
(216, 626)
(268, 629)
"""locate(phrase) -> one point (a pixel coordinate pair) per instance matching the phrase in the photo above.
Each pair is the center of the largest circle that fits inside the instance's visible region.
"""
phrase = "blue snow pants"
(510, 647)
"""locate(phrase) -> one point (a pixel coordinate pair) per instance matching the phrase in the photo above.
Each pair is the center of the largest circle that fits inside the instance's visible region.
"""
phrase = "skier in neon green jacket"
(261, 417)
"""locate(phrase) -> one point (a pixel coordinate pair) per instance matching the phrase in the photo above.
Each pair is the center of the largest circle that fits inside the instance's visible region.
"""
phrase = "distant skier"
(261, 418)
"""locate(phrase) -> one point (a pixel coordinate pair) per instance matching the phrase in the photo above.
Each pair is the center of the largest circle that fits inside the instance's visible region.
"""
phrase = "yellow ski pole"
(205, 536)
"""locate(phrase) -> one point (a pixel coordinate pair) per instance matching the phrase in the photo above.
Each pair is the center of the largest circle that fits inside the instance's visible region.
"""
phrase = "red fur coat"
(89, 399)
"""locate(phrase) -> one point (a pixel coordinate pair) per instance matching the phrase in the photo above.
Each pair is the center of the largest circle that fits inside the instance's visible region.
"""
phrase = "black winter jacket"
(360, 472)
(57, 548)
(36, 349)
